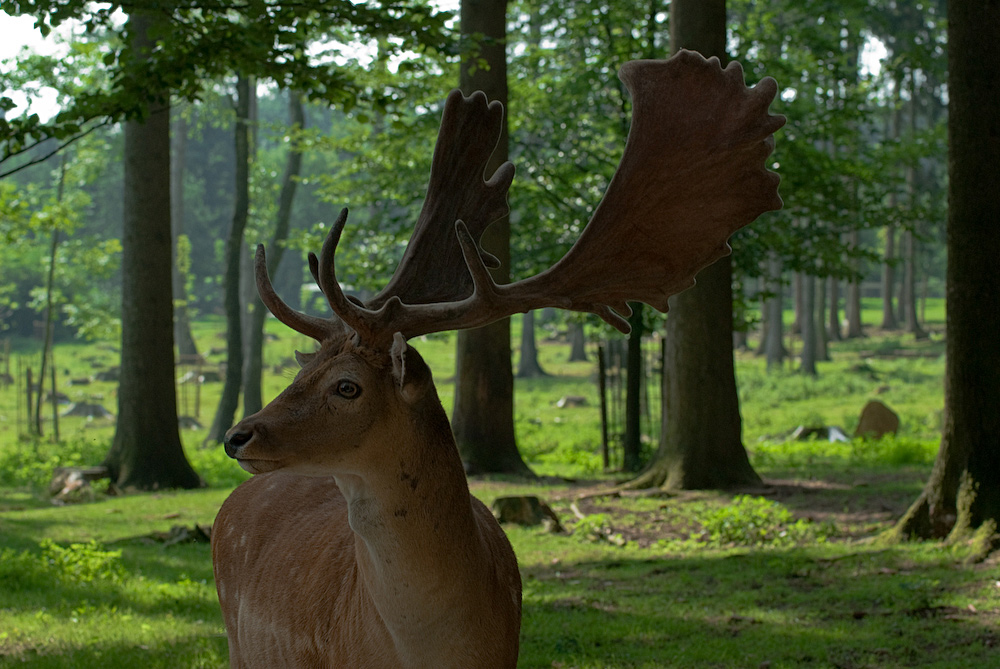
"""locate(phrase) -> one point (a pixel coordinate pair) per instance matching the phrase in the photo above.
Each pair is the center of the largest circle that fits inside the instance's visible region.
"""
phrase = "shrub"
(82, 563)
(755, 521)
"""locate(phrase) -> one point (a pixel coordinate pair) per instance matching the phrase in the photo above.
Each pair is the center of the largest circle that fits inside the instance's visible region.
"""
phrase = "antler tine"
(350, 310)
(487, 303)
(317, 328)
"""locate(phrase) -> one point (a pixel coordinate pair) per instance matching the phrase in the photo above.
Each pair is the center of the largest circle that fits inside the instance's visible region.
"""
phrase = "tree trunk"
(774, 345)
(577, 341)
(963, 492)
(822, 349)
(833, 327)
(889, 321)
(146, 451)
(483, 415)
(49, 323)
(910, 319)
(797, 291)
(701, 444)
(911, 322)
(855, 328)
(528, 367)
(635, 376)
(253, 399)
(226, 411)
(186, 345)
(807, 320)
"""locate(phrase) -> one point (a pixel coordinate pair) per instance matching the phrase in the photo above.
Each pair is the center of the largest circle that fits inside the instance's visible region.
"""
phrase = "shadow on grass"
(193, 652)
(884, 608)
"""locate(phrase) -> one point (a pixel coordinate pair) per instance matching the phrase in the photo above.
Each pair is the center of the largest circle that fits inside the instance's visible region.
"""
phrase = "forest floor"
(795, 573)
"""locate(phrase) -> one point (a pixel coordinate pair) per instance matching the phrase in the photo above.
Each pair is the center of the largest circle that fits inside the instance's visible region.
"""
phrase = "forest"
(796, 466)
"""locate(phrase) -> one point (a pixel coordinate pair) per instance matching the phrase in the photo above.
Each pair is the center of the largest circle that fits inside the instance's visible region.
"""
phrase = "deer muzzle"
(235, 440)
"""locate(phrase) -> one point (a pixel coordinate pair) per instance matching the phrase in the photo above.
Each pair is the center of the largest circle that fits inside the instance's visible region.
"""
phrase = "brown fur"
(363, 546)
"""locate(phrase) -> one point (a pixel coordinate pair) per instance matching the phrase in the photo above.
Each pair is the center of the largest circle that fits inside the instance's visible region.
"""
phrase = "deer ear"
(303, 358)
(409, 371)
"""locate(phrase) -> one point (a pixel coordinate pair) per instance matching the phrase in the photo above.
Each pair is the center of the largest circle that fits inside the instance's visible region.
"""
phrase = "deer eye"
(348, 389)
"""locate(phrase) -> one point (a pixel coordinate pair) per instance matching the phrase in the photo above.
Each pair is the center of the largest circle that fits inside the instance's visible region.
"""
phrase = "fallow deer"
(357, 542)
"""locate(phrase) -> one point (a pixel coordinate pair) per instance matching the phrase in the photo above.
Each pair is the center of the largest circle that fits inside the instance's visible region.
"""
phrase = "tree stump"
(526, 510)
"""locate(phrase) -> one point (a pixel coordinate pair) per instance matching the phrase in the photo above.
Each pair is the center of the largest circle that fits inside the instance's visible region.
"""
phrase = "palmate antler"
(693, 172)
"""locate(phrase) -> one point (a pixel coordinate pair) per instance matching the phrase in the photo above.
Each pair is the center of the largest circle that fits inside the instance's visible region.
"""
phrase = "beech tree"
(146, 452)
(483, 415)
(701, 443)
(253, 399)
(963, 493)
(225, 412)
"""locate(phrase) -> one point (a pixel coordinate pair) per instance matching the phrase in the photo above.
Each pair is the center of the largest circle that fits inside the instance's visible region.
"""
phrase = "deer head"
(692, 173)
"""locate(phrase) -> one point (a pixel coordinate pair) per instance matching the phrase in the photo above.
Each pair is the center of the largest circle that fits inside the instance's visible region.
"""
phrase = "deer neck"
(418, 547)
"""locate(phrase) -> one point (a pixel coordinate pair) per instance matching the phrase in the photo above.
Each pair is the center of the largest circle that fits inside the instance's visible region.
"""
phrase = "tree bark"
(774, 344)
(797, 291)
(146, 451)
(49, 323)
(855, 327)
(807, 321)
(911, 322)
(833, 327)
(253, 399)
(963, 493)
(822, 340)
(889, 321)
(225, 413)
(635, 376)
(483, 414)
(701, 443)
(186, 345)
(577, 341)
(527, 366)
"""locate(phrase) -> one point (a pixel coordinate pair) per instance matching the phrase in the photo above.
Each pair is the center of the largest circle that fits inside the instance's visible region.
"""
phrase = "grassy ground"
(790, 575)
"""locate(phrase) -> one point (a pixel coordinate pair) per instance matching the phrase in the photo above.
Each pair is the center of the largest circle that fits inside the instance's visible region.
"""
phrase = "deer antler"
(431, 269)
(693, 172)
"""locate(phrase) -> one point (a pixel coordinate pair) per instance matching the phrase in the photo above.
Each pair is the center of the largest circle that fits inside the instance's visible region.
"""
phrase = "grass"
(791, 575)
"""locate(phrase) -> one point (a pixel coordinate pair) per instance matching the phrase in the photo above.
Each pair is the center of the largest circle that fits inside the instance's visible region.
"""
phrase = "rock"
(110, 374)
(876, 421)
(571, 401)
(61, 398)
(87, 410)
(829, 433)
(526, 510)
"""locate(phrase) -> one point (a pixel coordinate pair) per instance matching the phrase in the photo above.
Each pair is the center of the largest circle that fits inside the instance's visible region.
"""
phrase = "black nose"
(235, 440)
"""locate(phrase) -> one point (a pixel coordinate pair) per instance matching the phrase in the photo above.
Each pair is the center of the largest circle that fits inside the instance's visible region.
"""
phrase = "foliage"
(55, 212)
(756, 521)
(29, 463)
(269, 40)
(82, 562)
